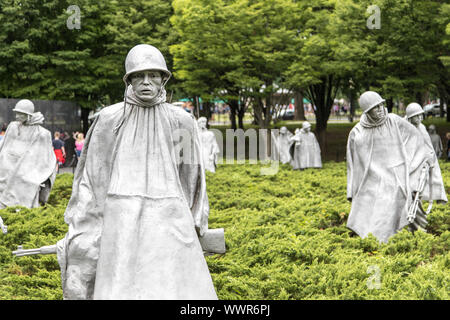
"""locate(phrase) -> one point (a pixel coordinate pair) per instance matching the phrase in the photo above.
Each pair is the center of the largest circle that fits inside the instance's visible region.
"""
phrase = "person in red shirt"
(58, 147)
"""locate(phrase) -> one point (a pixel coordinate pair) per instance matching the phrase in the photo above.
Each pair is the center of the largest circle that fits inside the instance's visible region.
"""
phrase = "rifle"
(416, 214)
(213, 241)
(29, 252)
(3, 226)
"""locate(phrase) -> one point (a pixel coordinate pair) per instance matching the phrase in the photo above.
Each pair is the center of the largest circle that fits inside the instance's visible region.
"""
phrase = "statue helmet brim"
(24, 106)
(369, 100)
(145, 57)
(413, 109)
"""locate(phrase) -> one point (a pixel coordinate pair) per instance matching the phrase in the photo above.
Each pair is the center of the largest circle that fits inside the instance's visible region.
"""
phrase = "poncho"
(305, 151)
(383, 166)
(210, 149)
(135, 207)
(438, 189)
(280, 147)
(27, 164)
(436, 142)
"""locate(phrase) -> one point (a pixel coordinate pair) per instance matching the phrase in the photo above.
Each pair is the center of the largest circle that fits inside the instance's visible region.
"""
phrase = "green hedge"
(286, 239)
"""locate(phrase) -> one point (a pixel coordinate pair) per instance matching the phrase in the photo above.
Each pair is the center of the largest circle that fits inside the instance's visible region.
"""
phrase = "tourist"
(58, 147)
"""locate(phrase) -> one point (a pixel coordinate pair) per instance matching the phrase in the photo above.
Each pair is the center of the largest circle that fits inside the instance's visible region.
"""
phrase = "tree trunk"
(351, 97)
(419, 98)
(206, 110)
(445, 99)
(322, 96)
(299, 109)
(85, 119)
(260, 112)
(389, 104)
(267, 115)
(233, 110)
(240, 115)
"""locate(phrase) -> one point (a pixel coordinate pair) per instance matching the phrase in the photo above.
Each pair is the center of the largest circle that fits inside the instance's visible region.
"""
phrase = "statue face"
(377, 112)
(146, 84)
(22, 117)
(202, 123)
(416, 120)
(307, 129)
(283, 130)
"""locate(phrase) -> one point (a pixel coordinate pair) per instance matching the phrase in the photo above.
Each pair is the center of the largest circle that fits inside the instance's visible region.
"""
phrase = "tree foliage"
(240, 50)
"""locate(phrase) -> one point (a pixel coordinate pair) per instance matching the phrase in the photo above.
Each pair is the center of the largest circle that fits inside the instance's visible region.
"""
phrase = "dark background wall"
(59, 115)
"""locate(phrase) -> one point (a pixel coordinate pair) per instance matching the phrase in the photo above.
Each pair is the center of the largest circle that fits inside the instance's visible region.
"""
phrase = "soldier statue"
(27, 161)
(305, 151)
(281, 145)
(434, 188)
(210, 148)
(385, 158)
(138, 203)
(436, 141)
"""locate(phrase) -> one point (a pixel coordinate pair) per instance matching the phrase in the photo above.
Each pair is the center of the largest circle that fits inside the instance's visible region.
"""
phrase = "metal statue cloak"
(281, 144)
(210, 149)
(135, 208)
(436, 142)
(383, 166)
(438, 189)
(27, 164)
(305, 151)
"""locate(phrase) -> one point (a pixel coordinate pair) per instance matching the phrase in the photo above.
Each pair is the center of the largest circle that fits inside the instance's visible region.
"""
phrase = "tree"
(400, 59)
(316, 66)
(235, 50)
(45, 59)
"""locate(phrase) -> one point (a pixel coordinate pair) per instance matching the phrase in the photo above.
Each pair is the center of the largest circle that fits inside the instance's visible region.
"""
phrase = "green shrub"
(285, 235)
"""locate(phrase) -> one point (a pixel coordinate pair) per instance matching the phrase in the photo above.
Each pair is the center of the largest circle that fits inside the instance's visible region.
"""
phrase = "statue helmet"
(24, 106)
(202, 119)
(413, 109)
(283, 130)
(369, 100)
(306, 124)
(145, 57)
(432, 127)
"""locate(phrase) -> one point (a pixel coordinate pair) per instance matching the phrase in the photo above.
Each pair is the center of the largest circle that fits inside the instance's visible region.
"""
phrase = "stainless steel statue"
(281, 144)
(210, 148)
(385, 158)
(436, 141)
(434, 188)
(138, 202)
(27, 161)
(305, 151)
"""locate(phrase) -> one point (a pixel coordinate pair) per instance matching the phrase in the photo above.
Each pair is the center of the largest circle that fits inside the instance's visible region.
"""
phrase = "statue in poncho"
(210, 148)
(27, 161)
(385, 157)
(436, 141)
(433, 189)
(305, 151)
(138, 202)
(281, 145)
